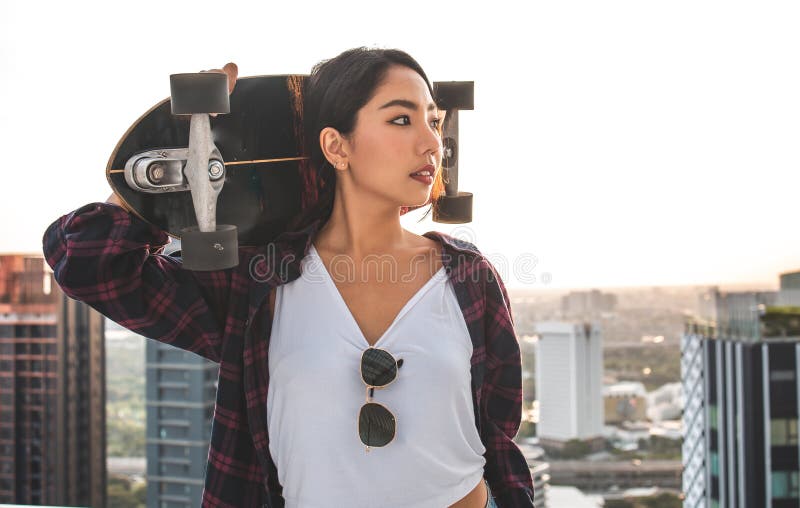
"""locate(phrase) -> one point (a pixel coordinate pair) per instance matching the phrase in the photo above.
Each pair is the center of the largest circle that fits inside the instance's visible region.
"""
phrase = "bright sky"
(615, 143)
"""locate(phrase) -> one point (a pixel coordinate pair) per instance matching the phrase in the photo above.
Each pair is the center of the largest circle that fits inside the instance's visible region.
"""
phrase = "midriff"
(477, 498)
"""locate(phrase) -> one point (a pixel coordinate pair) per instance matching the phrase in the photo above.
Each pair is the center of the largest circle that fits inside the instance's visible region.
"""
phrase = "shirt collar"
(281, 263)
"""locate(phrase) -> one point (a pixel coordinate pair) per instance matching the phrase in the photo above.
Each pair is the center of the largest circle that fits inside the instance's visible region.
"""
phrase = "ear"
(334, 146)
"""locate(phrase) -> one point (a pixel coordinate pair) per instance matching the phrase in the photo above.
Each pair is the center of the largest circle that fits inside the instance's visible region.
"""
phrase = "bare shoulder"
(423, 243)
(428, 249)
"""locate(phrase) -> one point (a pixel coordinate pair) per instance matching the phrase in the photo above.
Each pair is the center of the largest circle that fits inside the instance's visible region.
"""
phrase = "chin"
(412, 204)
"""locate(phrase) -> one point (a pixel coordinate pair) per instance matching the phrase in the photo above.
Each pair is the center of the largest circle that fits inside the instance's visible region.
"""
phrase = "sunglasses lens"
(378, 367)
(375, 425)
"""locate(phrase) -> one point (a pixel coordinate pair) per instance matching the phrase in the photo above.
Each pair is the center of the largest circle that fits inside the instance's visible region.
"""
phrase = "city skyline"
(772, 284)
(620, 144)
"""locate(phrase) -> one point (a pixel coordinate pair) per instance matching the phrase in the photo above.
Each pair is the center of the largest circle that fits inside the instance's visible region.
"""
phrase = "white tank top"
(316, 391)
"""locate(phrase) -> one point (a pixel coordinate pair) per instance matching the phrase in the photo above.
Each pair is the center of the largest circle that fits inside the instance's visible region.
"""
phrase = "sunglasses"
(376, 424)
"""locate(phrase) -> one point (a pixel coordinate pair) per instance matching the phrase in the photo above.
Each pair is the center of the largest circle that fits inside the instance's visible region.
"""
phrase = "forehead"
(400, 82)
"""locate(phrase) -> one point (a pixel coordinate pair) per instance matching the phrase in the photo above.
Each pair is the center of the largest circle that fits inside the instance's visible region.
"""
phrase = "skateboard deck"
(261, 145)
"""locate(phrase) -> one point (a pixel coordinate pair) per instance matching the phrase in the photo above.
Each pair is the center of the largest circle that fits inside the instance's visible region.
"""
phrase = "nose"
(430, 141)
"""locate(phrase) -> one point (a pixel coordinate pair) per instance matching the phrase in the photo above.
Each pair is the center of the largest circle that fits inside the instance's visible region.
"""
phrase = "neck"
(361, 227)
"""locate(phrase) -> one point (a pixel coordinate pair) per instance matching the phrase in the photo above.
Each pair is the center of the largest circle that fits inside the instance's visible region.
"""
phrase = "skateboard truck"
(454, 206)
(158, 171)
(198, 169)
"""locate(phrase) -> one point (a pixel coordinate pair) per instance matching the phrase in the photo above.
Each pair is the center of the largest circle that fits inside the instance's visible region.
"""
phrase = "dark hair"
(333, 94)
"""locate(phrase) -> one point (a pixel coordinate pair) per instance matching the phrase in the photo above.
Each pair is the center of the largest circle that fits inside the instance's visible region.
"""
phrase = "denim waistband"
(490, 503)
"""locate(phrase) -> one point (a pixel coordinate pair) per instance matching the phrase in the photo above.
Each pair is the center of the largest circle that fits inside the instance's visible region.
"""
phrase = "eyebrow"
(406, 104)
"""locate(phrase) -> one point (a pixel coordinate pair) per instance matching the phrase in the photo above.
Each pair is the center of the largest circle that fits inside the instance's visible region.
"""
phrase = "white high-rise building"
(569, 381)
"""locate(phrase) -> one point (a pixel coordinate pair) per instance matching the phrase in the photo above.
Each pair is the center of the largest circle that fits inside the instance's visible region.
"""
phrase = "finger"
(232, 71)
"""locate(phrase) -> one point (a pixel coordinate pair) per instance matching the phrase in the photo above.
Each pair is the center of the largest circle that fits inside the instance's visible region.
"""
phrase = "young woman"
(361, 365)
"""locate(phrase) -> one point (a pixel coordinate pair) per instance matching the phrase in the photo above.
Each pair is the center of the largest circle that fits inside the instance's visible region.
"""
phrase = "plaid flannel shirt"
(111, 259)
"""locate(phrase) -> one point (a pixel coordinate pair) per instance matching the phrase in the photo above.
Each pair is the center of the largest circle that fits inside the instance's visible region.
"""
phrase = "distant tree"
(121, 481)
(125, 438)
(121, 494)
(140, 493)
(657, 447)
(575, 449)
(663, 500)
(618, 503)
(527, 429)
(119, 497)
(529, 389)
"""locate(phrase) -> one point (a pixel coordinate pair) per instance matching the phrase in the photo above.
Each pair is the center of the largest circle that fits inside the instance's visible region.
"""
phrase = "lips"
(424, 175)
(421, 171)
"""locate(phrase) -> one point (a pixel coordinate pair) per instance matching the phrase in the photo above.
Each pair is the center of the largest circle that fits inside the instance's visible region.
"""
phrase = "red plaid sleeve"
(109, 258)
(507, 469)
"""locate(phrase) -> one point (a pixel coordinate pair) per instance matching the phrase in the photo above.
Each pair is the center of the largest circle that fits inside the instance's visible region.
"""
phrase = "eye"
(435, 123)
(407, 120)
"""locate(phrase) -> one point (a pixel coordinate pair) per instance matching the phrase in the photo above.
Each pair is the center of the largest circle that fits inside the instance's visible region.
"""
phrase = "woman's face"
(396, 133)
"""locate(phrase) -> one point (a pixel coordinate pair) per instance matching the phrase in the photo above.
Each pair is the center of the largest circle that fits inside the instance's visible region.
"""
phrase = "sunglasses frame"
(369, 396)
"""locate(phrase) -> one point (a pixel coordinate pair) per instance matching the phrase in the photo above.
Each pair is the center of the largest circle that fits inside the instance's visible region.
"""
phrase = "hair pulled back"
(333, 94)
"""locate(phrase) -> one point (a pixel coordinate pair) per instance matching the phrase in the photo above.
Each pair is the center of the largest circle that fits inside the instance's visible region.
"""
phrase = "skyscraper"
(180, 394)
(736, 311)
(52, 391)
(80, 459)
(181, 390)
(569, 381)
(741, 383)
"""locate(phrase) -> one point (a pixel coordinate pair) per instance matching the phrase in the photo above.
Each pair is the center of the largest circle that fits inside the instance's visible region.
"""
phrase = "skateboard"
(239, 177)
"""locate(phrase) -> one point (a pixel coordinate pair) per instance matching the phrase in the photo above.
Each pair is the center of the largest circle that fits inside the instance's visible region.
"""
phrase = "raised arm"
(110, 259)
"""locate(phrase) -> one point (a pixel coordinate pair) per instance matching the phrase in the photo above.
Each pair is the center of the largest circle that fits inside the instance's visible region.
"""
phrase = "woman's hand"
(232, 71)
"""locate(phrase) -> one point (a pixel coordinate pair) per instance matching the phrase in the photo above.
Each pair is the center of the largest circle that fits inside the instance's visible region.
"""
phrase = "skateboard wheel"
(454, 94)
(202, 92)
(453, 209)
(213, 250)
